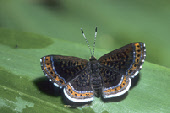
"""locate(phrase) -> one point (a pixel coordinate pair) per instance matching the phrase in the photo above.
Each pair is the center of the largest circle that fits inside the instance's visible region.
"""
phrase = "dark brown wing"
(114, 84)
(127, 60)
(119, 66)
(80, 89)
(62, 69)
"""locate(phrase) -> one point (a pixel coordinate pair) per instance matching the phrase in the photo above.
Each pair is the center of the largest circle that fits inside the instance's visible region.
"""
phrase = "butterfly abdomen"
(97, 84)
(96, 80)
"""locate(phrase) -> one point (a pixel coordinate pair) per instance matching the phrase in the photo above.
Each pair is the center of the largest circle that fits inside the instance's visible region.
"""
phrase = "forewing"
(62, 69)
(79, 89)
(127, 60)
(114, 84)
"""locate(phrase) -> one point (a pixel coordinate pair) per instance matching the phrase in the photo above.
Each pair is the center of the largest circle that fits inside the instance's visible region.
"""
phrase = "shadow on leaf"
(135, 80)
(53, 5)
(47, 87)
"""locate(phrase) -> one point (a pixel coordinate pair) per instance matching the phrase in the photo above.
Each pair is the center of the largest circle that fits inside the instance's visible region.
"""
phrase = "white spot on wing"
(136, 73)
(143, 60)
(141, 66)
(56, 85)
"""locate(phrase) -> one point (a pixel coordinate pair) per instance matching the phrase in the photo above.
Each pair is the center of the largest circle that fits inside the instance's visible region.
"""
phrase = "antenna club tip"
(82, 30)
(96, 29)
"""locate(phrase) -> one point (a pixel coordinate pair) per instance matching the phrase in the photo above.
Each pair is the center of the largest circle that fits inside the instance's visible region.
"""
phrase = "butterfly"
(109, 76)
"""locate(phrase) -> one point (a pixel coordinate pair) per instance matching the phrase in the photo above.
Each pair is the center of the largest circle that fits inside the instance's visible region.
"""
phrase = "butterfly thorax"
(95, 77)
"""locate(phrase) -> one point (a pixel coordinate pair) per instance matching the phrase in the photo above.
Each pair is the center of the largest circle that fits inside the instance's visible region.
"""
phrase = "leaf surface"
(24, 88)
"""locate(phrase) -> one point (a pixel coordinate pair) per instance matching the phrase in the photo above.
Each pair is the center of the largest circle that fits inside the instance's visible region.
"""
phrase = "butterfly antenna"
(86, 41)
(94, 39)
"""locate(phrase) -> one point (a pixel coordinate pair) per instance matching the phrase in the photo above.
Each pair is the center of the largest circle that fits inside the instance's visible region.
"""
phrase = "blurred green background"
(119, 22)
(30, 29)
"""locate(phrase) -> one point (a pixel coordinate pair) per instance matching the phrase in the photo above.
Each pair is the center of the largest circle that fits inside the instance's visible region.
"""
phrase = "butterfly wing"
(123, 64)
(114, 83)
(127, 60)
(62, 69)
(79, 89)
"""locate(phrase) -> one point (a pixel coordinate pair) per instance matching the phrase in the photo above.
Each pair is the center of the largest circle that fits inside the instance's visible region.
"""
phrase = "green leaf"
(23, 40)
(24, 88)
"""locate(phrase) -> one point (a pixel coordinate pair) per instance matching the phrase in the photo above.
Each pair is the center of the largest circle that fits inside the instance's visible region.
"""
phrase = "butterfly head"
(92, 58)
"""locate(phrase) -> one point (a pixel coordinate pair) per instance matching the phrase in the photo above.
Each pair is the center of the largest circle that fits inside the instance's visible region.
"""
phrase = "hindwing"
(62, 69)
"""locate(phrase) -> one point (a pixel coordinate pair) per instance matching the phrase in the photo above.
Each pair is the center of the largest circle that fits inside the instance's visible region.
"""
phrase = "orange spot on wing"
(118, 87)
(136, 44)
(50, 70)
(74, 93)
(137, 58)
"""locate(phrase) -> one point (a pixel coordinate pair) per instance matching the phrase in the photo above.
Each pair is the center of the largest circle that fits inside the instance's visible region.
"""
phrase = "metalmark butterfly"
(109, 76)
